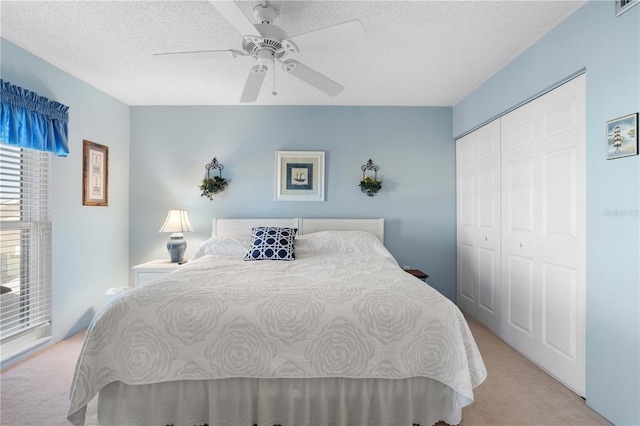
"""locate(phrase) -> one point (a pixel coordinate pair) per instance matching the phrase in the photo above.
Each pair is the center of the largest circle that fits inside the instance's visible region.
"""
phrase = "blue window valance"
(32, 121)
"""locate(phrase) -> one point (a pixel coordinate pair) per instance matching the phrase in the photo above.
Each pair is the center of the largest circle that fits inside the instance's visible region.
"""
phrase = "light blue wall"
(90, 244)
(93, 247)
(609, 49)
(413, 147)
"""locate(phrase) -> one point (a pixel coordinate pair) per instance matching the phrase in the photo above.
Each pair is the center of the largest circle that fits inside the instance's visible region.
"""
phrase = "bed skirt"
(245, 401)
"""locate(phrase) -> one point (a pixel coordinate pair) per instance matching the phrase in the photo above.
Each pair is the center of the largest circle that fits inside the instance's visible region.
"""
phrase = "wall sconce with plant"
(211, 186)
(370, 185)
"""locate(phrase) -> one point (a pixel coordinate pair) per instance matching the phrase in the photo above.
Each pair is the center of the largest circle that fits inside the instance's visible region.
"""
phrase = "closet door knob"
(485, 238)
(520, 245)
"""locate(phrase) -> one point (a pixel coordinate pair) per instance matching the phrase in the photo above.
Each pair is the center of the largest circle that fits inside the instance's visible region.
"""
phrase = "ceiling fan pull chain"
(274, 93)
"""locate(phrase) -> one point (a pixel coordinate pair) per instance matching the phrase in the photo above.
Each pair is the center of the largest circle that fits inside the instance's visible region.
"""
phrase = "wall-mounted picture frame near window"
(622, 137)
(95, 174)
(624, 5)
(299, 175)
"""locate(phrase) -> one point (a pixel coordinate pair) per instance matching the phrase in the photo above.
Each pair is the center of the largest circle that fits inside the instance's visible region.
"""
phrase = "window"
(25, 248)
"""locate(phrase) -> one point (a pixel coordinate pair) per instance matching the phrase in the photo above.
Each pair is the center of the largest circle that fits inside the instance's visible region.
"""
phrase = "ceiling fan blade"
(236, 17)
(335, 35)
(253, 83)
(199, 54)
(312, 77)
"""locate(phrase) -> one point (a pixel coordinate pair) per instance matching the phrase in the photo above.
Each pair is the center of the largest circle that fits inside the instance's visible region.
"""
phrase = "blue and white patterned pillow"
(271, 243)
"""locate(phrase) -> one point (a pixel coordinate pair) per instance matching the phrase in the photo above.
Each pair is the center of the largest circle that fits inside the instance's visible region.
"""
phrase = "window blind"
(25, 243)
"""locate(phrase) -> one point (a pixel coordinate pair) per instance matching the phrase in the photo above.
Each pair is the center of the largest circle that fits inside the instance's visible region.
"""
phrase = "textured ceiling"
(430, 53)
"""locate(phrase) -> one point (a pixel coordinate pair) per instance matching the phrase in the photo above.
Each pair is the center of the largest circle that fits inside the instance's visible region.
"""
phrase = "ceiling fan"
(268, 44)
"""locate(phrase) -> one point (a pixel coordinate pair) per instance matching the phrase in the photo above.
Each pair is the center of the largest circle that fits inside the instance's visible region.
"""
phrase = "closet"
(521, 229)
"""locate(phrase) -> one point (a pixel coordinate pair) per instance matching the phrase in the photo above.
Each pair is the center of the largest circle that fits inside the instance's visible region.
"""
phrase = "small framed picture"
(624, 5)
(622, 137)
(299, 175)
(95, 174)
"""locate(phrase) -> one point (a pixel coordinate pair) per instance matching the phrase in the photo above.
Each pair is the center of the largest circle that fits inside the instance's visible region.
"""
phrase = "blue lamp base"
(176, 247)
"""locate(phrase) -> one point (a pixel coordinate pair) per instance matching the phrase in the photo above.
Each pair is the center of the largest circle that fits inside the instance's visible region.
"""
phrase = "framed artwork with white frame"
(622, 137)
(624, 5)
(299, 175)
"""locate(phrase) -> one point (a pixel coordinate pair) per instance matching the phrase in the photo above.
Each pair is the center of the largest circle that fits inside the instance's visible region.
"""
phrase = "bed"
(337, 334)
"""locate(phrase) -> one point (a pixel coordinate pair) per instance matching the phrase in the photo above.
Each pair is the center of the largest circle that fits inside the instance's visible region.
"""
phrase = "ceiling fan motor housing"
(271, 41)
(265, 58)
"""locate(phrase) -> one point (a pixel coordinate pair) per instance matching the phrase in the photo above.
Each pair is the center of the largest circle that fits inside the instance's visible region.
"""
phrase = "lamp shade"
(177, 221)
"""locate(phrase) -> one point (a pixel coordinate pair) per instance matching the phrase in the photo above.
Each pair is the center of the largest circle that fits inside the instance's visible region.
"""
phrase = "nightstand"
(418, 274)
(144, 273)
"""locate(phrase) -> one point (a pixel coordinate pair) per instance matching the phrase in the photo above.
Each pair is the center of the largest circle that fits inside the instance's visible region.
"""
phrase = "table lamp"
(177, 222)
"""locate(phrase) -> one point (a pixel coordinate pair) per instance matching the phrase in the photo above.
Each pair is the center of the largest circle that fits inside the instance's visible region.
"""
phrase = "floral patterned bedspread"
(343, 308)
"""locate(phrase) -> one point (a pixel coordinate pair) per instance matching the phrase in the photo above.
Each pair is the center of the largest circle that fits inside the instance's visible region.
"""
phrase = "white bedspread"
(343, 308)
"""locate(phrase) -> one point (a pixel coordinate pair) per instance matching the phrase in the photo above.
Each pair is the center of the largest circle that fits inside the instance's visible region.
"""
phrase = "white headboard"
(374, 226)
(242, 227)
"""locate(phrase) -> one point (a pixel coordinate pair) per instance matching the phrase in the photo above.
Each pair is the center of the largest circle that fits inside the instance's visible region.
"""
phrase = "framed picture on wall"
(299, 175)
(622, 136)
(624, 5)
(95, 174)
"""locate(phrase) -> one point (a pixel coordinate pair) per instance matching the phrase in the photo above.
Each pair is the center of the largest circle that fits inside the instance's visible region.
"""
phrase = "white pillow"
(341, 243)
(224, 246)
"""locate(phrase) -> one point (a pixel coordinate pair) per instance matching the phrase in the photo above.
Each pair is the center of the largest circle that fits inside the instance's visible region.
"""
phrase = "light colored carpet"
(35, 392)
(518, 392)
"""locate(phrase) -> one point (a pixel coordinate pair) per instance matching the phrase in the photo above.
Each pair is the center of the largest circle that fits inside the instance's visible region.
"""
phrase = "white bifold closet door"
(478, 219)
(543, 231)
(521, 208)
